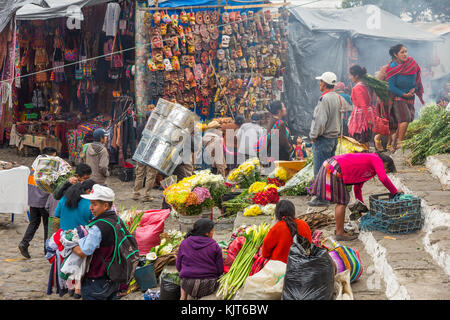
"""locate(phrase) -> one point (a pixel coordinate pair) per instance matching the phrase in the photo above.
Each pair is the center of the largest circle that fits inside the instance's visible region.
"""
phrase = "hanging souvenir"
(184, 17)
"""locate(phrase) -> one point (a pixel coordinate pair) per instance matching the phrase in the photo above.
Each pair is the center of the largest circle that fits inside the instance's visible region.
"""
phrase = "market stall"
(67, 75)
(217, 58)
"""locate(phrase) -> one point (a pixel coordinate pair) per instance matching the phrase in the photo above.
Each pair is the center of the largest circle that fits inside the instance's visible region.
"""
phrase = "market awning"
(8, 8)
(55, 9)
(366, 21)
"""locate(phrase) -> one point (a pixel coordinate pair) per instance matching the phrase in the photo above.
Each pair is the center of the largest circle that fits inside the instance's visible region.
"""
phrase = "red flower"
(267, 196)
(276, 182)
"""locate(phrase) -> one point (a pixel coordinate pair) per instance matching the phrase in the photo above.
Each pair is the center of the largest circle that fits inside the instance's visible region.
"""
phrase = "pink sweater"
(358, 168)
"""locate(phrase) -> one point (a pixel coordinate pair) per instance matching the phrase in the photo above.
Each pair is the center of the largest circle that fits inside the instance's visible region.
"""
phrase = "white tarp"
(365, 21)
(14, 190)
(8, 8)
(56, 9)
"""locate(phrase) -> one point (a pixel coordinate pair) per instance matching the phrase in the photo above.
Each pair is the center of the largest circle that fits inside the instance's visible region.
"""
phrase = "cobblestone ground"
(394, 267)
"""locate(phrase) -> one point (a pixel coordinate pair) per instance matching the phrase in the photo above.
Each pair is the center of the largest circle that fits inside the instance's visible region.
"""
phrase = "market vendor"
(354, 169)
(279, 239)
(213, 151)
(199, 261)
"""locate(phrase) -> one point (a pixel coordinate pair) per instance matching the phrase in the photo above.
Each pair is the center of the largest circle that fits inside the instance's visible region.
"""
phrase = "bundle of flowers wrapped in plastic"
(132, 218)
(299, 183)
(51, 172)
(246, 174)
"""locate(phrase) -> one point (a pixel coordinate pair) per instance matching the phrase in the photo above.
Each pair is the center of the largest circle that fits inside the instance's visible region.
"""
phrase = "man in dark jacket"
(97, 157)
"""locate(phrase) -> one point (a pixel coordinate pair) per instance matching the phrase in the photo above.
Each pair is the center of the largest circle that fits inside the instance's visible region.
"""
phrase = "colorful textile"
(346, 258)
(329, 184)
(363, 110)
(408, 68)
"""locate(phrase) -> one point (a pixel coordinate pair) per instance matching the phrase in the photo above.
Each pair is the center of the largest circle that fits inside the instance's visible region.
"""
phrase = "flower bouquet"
(169, 243)
(268, 195)
(299, 183)
(246, 174)
(196, 193)
(131, 218)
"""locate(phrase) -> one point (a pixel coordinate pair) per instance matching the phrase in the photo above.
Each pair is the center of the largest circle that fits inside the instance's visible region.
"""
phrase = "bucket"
(187, 222)
(145, 277)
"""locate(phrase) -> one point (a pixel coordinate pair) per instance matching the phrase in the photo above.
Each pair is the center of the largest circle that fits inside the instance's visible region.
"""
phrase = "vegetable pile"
(428, 135)
(241, 267)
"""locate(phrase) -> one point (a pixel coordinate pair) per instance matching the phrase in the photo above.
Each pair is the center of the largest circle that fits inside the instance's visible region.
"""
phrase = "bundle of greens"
(241, 267)
(237, 204)
(429, 135)
(380, 87)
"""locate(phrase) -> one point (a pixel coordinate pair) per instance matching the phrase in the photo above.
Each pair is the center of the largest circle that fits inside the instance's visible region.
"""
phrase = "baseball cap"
(98, 134)
(100, 192)
(328, 77)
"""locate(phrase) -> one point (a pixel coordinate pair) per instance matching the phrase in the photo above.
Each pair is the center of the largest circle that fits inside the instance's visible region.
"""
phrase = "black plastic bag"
(169, 289)
(309, 272)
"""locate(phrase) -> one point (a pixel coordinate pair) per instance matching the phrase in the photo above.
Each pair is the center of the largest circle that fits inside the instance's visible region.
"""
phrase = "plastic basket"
(29, 106)
(395, 217)
(29, 116)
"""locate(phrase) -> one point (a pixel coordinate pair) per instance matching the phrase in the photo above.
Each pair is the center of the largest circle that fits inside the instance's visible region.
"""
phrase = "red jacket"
(278, 241)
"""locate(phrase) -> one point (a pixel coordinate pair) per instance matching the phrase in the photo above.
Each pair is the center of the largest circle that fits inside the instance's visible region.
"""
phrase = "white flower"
(166, 249)
(163, 242)
(151, 256)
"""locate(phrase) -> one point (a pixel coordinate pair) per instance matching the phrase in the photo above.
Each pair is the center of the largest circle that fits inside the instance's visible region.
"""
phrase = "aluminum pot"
(139, 153)
(181, 116)
(163, 107)
(160, 155)
(154, 122)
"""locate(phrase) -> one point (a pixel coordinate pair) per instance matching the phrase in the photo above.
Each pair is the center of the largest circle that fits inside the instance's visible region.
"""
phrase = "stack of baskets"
(396, 216)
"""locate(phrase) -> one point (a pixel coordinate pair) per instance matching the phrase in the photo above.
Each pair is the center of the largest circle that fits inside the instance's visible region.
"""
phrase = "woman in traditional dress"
(362, 117)
(404, 78)
(350, 169)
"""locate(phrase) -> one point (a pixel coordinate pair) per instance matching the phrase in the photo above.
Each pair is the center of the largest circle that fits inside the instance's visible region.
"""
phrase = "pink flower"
(202, 193)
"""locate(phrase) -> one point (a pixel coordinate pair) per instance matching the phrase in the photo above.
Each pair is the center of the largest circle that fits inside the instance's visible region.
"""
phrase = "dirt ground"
(414, 269)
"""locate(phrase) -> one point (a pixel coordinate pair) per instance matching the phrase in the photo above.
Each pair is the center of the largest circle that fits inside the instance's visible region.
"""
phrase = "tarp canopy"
(8, 8)
(332, 40)
(56, 9)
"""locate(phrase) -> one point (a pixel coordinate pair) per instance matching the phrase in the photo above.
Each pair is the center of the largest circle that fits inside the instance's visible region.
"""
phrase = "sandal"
(346, 237)
(378, 145)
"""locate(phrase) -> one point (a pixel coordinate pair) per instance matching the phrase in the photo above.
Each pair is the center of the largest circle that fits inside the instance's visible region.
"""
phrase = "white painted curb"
(394, 291)
(439, 171)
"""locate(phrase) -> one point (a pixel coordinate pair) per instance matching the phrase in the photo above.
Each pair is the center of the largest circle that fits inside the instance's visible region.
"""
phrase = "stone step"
(403, 262)
(439, 166)
(435, 206)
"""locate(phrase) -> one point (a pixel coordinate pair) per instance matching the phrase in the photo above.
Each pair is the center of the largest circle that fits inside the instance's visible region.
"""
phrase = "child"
(199, 261)
(37, 200)
(279, 239)
(300, 153)
(100, 244)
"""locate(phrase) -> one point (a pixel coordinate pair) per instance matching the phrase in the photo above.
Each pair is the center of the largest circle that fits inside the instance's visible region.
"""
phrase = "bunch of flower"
(132, 218)
(169, 243)
(275, 181)
(267, 196)
(246, 174)
(281, 174)
(268, 209)
(257, 186)
(188, 196)
(251, 211)
(269, 186)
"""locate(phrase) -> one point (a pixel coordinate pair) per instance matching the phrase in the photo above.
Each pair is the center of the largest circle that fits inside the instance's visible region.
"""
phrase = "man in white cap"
(100, 244)
(325, 126)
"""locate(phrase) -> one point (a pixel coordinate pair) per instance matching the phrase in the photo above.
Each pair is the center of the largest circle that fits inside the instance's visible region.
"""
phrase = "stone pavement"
(413, 266)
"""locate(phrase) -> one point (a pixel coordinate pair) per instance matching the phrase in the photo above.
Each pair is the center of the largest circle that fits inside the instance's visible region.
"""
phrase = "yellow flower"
(257, 187)
(252, 211)
(271, 186)
(281, 174)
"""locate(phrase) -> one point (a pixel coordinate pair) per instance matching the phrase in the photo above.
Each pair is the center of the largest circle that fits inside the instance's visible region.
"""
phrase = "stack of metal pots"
(164, 136)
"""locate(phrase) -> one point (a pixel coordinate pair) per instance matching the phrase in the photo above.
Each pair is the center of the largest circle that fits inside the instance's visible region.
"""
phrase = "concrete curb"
(394, 291)
(433, 218)
(439, 170)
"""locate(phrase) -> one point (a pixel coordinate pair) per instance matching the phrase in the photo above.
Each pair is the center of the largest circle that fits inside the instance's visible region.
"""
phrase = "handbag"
(117, 59)
(381, 125)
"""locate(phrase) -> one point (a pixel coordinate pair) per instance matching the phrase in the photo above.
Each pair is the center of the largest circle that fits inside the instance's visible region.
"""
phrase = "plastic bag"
(50, 172)
(170, 288)
(266, 284)
(309, 272)
(151, 226)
